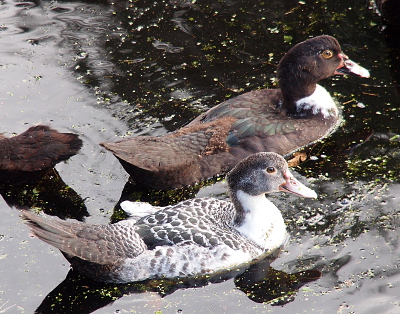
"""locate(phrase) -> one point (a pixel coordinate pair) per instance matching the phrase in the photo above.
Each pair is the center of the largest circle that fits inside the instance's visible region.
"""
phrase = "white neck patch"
(263, 222)
(318, 102)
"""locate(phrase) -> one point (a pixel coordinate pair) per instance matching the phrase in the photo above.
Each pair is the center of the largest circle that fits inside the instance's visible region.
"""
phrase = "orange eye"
(327, 54)
(271, 170)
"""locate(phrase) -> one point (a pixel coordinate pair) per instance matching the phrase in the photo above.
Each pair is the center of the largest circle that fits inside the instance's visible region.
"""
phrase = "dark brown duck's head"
(309, 62)
(29, 155)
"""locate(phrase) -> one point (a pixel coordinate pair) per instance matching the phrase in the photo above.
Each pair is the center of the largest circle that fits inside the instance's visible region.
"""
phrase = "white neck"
(263, 222)
(319, 102)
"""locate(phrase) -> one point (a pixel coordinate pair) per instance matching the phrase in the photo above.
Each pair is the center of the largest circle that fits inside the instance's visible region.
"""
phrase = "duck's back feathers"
(196, 222)
(36, 150)
(177, 159)
(181, 147)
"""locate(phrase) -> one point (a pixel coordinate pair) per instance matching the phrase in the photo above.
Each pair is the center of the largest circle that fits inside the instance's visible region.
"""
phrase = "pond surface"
(146, 68)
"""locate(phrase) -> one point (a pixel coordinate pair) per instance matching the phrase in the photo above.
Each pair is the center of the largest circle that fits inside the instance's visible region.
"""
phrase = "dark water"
(104, 71)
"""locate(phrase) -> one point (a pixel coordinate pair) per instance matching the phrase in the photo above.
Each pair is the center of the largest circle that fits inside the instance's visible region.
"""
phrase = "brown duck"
(29, 155)
(275, 120)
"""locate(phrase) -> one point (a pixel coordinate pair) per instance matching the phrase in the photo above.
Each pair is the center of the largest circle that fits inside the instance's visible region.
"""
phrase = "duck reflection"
(50, 194)
(260, 282)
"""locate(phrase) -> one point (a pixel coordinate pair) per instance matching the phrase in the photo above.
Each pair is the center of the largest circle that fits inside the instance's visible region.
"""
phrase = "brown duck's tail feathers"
(174, 150)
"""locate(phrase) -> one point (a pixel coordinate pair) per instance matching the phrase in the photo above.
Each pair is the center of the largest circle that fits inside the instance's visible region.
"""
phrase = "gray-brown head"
(264, 173)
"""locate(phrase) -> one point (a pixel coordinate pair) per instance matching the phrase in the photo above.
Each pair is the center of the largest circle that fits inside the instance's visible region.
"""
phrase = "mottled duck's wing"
(196, 222)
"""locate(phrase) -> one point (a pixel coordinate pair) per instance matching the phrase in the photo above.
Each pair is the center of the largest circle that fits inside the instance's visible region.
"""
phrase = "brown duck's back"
(217, 140)
(36, 150)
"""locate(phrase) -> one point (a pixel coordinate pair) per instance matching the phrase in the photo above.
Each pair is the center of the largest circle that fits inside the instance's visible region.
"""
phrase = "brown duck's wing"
(37, 148)
(247, 105)
(176, 149)
(282, 136)
(256, 115)
(261, 126)
(101, 244)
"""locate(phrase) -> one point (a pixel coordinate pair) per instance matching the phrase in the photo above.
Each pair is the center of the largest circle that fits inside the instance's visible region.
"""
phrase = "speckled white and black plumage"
(193, 237)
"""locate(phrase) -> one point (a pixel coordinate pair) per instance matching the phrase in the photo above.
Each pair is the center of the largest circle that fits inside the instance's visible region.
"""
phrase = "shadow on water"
(49, 194)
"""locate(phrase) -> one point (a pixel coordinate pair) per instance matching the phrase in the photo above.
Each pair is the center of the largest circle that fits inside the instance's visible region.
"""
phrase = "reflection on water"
(49, 194)
(102, 70)
(260, 283)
